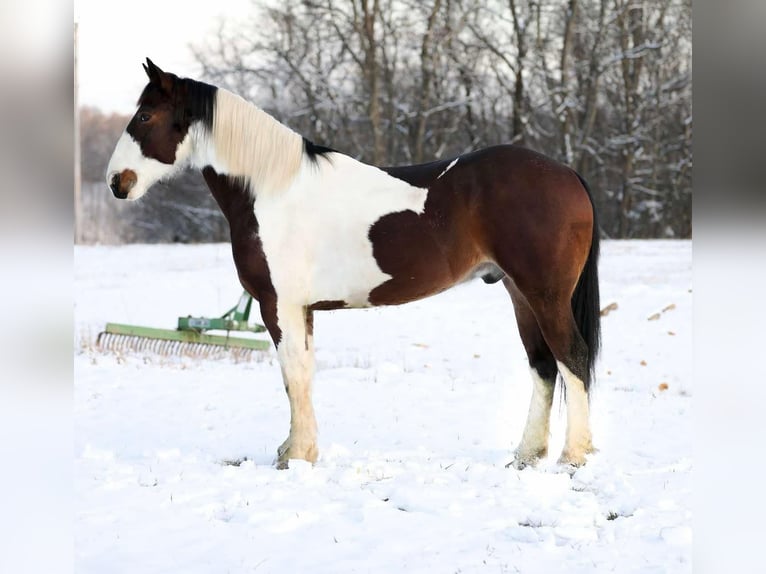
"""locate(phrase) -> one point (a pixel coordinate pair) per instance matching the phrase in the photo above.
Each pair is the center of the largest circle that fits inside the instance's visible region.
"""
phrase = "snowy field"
(419, 409)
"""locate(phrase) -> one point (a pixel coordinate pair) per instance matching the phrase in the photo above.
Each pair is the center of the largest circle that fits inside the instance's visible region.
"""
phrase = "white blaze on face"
(127, 155)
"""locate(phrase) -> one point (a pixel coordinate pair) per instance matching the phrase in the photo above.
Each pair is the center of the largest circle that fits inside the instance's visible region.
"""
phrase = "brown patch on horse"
(428, 253)
(128, 179)
(328, 305)
(309, 325)
(166, 133)
(237, 205)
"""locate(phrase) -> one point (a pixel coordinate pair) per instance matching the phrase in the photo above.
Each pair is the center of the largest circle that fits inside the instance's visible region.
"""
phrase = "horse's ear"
(152, 70)
(157, 76)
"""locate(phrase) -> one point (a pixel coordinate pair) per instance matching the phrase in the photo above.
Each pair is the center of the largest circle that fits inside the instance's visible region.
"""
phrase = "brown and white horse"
(314, 229)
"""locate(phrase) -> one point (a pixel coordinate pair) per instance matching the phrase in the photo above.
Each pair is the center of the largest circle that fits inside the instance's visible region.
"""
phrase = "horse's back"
(481, 206)
(505, 189)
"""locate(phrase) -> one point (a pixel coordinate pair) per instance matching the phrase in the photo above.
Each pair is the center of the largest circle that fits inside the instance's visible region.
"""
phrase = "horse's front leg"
(291, 328)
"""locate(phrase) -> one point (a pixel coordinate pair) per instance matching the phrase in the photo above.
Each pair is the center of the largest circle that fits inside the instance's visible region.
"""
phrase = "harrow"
(191, 338)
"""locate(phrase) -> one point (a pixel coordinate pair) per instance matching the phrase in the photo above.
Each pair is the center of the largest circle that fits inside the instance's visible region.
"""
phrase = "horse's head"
(157, 142)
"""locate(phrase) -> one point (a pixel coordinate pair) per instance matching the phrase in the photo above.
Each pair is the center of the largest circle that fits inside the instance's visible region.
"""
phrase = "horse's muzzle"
(121, 183)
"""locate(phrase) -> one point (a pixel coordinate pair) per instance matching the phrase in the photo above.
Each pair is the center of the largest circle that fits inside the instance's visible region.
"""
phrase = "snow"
(419, 409)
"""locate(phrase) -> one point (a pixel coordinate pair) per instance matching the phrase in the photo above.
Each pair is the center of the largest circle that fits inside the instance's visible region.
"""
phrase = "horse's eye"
(144, 117)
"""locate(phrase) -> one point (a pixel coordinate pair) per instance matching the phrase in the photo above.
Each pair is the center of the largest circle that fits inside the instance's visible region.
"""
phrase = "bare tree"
(604, 85)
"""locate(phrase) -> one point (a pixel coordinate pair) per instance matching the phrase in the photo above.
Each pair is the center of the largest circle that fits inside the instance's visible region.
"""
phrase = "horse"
(313, 229)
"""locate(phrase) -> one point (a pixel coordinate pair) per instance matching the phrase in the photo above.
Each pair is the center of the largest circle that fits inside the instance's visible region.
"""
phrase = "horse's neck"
(247, 143)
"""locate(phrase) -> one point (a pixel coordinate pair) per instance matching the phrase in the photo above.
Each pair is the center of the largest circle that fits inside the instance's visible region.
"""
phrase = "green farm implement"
(192, 337)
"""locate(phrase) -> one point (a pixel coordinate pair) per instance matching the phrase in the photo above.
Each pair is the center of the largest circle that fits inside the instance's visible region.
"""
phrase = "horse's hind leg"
(557, 323)
(542, 367)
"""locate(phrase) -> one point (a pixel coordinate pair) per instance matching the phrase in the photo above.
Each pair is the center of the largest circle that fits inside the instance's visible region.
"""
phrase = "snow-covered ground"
(419, 409)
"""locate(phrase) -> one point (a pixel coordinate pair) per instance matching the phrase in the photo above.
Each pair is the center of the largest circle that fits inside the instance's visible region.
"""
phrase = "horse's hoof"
(287, 451)
(522, 461)
(576, 457)
(571, 461)
(519, 464)
(524, 458)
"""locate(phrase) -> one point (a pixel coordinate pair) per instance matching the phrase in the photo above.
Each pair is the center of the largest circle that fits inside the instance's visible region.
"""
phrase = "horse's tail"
(585, 300)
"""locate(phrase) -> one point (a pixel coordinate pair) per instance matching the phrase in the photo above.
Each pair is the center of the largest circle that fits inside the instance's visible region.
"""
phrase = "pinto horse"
(314, 229)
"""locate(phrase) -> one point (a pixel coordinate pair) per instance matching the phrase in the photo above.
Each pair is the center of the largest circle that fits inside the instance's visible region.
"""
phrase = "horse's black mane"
(315, 151)
(199, 101)
(193, 100)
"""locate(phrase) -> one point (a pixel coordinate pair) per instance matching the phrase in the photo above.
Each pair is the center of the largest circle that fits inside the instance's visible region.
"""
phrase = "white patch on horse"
(315, 234)
(127, 155)
(534, 441)
(314, 217)
(578, 441)
(449, 167)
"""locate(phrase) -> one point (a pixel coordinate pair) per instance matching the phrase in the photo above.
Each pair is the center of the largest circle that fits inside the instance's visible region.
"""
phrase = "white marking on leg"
(296, 357)
(449, 167)
(315, 234)
(534, 441)
(578, 436)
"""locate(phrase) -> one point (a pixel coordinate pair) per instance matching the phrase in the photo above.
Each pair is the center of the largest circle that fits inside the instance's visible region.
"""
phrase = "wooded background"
(602, 85)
